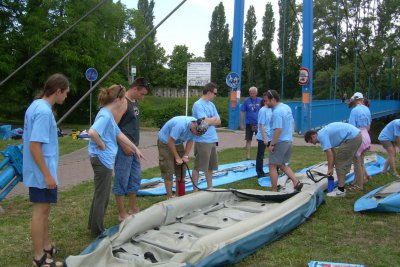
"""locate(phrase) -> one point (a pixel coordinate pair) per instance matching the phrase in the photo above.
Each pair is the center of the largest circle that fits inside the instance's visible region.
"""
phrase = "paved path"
(75, 167)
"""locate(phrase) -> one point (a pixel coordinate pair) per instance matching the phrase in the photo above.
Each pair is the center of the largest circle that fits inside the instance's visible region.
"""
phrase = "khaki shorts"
(206, 157)
(166, 161)
(388, 144)
(346, 154)
(281, 154)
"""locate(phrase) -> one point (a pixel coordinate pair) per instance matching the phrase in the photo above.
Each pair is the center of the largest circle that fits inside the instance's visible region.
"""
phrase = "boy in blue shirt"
(348, 139)
(40, 160)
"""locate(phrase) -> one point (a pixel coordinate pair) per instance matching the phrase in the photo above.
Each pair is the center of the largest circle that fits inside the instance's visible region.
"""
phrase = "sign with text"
(198, 73)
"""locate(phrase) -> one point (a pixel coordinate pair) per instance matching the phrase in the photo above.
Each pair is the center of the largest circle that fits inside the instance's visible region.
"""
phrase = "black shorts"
(39, 195)
(251, 129)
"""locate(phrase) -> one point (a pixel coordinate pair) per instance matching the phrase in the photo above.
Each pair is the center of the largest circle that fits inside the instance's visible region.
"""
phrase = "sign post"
(198, 74)
(91, 75)
(237, 46)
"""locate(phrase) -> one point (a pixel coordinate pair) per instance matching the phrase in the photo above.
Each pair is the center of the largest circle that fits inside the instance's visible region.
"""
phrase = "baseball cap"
(142, 82)
(201, 126)
(356, 96)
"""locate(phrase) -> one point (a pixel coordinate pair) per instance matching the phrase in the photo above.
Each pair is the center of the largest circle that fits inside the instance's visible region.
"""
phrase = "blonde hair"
(108, 95)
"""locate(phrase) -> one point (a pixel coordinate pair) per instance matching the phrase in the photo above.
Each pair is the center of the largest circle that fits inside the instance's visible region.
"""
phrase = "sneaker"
(336, 193)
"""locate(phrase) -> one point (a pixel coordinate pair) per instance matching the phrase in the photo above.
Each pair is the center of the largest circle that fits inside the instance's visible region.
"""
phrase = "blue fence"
(11, 169)
(324, 112)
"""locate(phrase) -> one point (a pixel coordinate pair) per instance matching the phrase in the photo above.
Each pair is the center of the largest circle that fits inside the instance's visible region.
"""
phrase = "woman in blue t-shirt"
(102, 151)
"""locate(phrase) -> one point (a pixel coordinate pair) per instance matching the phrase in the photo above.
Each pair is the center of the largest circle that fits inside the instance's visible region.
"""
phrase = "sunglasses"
(270, 93)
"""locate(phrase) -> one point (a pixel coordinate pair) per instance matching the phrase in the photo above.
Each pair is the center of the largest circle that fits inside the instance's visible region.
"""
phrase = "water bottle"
(331, 183)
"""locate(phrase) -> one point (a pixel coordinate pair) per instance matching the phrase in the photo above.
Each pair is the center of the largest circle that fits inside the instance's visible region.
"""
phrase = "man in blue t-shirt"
(390, 138)
(348, 139)
(280, 148)
(205, 147)
(250, 107)
(172, 153)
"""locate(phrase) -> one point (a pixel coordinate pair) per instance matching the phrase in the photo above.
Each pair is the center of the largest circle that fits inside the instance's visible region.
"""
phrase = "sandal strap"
(52, 251)
(42, 262)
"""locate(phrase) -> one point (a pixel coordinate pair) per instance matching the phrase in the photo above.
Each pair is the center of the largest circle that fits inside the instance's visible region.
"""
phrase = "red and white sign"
(304, 76)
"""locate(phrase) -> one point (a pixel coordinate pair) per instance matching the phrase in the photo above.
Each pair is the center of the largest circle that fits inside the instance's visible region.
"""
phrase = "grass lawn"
(333, 233)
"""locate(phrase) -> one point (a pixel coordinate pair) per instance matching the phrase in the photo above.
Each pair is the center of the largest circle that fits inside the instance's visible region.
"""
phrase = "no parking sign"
(91, 74)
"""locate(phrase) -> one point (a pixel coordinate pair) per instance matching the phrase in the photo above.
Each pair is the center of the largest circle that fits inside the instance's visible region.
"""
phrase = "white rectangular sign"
(198, 73)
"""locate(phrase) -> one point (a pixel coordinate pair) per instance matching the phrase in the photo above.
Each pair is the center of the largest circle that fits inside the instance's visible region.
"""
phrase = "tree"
(149, 57)
(265, 62)
(288, 38)
(218, 48)
(178, 66)
(250, 37)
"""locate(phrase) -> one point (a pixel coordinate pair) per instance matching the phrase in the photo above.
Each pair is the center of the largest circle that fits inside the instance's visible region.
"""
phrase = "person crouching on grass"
(102, 148)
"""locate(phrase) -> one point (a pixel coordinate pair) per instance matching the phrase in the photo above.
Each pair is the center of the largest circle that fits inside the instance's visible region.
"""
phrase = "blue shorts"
(42, 195)
(127, 172)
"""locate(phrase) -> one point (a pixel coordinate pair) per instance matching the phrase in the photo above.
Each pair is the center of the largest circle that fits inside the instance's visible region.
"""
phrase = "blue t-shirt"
(282, 118)
(108, 130)
(391, 131)
(40, 126)
(360, 116)
(335, 133)
(178, 128)
(205, 109)
(264, 118)
(251, 108)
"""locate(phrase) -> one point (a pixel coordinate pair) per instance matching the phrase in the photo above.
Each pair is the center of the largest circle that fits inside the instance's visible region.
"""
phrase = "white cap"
(356, 96)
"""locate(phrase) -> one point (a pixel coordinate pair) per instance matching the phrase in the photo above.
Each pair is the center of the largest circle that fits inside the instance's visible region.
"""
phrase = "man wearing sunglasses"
(250, 109)
(205, 147)
(127, 166)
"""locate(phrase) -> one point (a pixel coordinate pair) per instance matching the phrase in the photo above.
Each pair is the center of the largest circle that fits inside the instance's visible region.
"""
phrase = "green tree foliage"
(149, 57)
(178, 66)
(265, 60)
(250, 37)
(218, 48)
(288, 39)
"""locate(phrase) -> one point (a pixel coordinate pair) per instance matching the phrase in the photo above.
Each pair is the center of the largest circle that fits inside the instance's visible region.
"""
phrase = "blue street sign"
(91, 74)
(233, 80)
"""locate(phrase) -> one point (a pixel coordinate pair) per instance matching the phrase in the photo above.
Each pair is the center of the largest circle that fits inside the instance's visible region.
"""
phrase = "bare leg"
(392, 159)
(209, 179)
(273, 175)
(288, 171)
(168, 188)
(195, 177)
(133, 207)
(39, 228)
(248, 149)
(122, 214)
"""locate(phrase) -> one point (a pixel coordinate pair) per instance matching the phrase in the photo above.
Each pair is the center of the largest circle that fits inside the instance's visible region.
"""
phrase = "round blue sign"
(233, 80)
(91, 74)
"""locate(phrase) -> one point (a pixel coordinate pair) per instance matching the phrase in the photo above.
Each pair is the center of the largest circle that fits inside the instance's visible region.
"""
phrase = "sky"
(190, 24)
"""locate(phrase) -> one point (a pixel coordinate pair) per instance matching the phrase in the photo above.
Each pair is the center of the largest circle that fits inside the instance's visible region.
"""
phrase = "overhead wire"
(118, 63)
(52, 41)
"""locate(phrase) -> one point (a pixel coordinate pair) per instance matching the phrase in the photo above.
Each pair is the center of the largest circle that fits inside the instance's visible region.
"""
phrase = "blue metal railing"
(324, 112)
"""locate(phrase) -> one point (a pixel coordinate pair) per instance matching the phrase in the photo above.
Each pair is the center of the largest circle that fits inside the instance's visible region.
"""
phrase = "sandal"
(46, 262)
(52, 251)
(354, 187)
(298, 186)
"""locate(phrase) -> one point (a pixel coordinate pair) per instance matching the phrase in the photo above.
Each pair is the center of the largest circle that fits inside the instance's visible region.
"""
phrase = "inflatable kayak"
(227, 173)
(207, 228)
(373, 163)
(383, 199)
